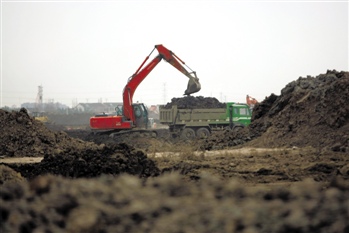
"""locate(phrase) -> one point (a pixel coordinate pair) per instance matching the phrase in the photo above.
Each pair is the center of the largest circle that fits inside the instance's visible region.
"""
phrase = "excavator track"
(140, 132)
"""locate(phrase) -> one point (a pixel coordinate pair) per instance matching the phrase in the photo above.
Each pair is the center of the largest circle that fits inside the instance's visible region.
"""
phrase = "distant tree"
(6, 108)
(50, 107)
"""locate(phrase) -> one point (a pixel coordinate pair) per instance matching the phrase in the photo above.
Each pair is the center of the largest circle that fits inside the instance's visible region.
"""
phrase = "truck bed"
(175, 115)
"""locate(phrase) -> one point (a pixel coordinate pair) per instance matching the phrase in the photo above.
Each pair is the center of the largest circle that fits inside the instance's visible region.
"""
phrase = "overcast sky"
(84, 51)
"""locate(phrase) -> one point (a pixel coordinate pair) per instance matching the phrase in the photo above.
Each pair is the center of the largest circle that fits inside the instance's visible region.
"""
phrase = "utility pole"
(74, 102)
(39, 98)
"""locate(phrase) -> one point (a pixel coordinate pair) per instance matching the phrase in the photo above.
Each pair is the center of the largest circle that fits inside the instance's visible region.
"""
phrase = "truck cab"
(241, 113)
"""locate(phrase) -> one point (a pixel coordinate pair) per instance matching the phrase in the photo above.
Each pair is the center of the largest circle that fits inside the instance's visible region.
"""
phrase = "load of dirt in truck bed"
(311, 111)
(195, 102)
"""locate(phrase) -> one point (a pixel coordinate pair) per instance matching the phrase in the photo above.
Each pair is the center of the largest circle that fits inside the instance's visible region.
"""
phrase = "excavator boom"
(193, 83)
(250, 101)
(132, 85)
(136, 115)
(133, 82)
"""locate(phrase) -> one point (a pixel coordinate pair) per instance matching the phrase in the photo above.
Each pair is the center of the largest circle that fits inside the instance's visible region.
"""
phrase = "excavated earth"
(287, 172)
(195, 102)
(311, 111)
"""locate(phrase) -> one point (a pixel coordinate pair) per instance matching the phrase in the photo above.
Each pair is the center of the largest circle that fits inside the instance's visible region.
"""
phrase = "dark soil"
(195, 102)
(311, 111)
(89, 183)
(115, 160)
(21, 136)
(166, 204)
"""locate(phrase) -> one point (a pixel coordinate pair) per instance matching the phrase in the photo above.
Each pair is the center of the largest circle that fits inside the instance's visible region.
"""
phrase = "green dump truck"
(192, 123)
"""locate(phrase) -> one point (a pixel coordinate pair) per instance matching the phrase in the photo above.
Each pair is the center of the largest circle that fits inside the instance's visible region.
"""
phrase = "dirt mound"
(311, 111)
(166, 204)
(116, 159)
(282, 190)
(9, 175)
(195, 102)
(144, 142)
(22, 135)
(225, 139)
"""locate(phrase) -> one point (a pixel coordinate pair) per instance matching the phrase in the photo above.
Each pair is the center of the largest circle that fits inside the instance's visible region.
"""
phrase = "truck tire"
(227, 128)
(188, 134)
(203, 133)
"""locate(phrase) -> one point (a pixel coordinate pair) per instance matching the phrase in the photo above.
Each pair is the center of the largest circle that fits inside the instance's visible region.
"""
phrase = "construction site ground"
(287, 172)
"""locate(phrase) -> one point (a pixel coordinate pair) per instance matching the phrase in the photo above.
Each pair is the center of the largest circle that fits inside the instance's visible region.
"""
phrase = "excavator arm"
(250, 101)
(170, 57)
(133, 82)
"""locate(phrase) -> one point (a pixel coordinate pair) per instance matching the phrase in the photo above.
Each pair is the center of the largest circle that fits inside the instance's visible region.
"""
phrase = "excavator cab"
(141, 114)
(193, 85)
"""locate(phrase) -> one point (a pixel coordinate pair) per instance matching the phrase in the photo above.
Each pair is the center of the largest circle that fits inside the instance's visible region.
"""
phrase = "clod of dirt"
(9, 175)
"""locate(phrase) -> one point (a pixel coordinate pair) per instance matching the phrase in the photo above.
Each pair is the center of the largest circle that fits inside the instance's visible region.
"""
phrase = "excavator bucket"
(193, 86)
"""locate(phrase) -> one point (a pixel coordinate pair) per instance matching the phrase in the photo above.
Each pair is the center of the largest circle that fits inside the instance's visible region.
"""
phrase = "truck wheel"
(227, 128)
(188, 134)
(203, 133)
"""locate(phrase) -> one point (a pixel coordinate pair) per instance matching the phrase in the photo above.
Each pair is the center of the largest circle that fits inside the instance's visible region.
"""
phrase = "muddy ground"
(287, 172)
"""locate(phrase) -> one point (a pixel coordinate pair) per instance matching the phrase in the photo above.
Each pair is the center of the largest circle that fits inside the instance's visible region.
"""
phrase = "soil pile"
(225, 139)
(22, 135)
(311, 111)
(166, 204)
(8, 175)
(144, 142)
(115, 159)
(288, 190)
(195, 102)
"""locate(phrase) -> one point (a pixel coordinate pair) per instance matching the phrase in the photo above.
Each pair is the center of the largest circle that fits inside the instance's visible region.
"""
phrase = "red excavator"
(250, 101)
(135, 115)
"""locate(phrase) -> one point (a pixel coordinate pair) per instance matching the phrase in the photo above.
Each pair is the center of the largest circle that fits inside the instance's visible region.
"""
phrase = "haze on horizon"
(85, 51)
